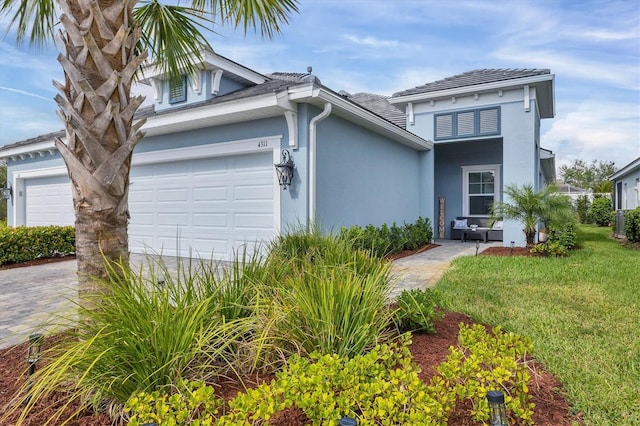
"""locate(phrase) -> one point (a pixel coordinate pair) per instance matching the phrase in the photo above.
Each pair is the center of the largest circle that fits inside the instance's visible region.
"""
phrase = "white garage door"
(48, 201)
(210, 206)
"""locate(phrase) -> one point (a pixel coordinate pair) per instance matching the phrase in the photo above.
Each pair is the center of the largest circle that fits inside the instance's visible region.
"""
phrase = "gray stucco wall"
(364, 178)
(630, 195)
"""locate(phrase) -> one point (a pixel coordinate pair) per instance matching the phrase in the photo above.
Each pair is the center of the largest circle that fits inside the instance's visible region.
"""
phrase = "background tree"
(103, 45)
(594, 176)
(530, 208)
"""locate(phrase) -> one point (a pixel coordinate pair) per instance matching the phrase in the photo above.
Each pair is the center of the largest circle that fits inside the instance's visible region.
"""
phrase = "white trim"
(412, 118)
(626, 169)
(243, 146)
(495, 168)
(527, 99)
(292, 128)
(312, 160)
(157, 85)
(276, 194)
(216, 78)
(196, 82)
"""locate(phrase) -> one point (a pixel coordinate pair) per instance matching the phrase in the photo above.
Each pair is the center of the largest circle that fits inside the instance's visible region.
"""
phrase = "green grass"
(582, 313)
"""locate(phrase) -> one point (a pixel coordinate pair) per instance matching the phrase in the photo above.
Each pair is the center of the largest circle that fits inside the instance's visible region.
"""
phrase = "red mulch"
(405, 253)
(428, 351)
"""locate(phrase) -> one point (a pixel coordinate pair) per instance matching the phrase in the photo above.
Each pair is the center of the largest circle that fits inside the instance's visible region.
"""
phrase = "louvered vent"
(489, 121)
(466, 125)
(178, 91)
(444, 126)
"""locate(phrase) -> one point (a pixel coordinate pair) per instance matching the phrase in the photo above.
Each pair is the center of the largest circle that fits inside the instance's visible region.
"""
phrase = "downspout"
(312, 161)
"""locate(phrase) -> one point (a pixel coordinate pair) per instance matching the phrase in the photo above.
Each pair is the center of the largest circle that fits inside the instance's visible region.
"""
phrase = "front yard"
(582, 313)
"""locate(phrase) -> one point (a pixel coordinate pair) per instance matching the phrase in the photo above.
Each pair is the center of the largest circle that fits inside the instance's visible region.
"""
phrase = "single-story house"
(203, 179)
(626, 192)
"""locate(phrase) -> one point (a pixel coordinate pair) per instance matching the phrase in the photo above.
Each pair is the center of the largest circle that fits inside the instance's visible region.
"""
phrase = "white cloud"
(24, 92)
(30, 122)
(370, 41)
(600, 130)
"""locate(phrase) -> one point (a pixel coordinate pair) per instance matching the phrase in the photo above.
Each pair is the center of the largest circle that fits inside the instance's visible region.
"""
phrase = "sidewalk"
(29, 296)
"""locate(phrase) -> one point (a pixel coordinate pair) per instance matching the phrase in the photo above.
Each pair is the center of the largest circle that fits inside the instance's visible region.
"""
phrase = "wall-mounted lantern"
(6, 192)
(284, 170)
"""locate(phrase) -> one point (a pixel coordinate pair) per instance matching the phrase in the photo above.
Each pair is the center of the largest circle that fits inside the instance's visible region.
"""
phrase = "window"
(178, 90)
(480, 189)
(466, 124)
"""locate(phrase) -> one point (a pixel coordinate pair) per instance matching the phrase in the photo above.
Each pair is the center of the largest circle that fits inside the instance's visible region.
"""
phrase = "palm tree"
(530, 208)
(104, 44)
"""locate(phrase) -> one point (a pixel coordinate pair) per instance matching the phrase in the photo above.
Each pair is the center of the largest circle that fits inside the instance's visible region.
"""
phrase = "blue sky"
(381, 46)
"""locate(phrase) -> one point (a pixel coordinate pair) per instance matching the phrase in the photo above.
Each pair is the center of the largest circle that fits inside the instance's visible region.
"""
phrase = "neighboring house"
(573, 192)
(485, 125)
(203, 178)
(626, 192)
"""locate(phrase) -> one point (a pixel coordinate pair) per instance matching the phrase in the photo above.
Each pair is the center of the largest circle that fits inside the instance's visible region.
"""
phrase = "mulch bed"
(428, 351)
(508, 251)
(41, 261)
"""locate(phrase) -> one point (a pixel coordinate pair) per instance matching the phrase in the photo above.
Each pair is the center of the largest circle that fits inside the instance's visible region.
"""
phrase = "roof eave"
(352, 110)
(626, 169)
(537, 80)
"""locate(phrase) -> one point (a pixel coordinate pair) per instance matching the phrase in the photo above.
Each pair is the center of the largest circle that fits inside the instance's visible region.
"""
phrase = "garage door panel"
(48, 201)
(215, 204)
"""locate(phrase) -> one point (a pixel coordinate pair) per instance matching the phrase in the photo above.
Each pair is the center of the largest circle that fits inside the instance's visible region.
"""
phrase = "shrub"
(379, 387)
(389, 240)
(564, 235)
(632, 225)
(553, 248)
(600, 211)
(582, 208)
(139, 335)
(22, 244)
(417, 310)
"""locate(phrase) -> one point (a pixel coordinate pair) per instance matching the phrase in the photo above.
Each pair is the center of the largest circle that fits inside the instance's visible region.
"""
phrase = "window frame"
(466, 170)
(476, 123)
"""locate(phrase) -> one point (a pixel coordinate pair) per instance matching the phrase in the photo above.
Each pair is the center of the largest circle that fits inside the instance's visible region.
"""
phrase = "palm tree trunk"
(99, 61)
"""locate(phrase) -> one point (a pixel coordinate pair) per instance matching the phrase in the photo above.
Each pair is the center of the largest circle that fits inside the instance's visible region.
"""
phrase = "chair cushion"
(460, 224)
(498, 225)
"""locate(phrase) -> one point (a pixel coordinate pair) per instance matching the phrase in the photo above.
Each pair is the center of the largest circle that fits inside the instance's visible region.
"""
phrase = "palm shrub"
(600, 211)
(529, 207)
(632, 225)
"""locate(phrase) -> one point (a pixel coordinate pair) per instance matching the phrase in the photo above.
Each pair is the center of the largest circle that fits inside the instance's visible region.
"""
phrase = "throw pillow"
(460, 224)
(498, 225)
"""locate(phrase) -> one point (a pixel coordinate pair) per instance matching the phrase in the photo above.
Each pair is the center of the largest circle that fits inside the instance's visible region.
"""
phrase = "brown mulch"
(428, 351)
(405, 253)
(41, 261)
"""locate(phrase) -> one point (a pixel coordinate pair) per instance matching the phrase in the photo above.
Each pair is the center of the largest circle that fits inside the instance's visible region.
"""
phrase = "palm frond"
(32, 19)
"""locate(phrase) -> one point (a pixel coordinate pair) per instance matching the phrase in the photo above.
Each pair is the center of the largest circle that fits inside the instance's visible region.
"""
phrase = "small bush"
(632, 225)
(564, 235)
(600, 211)
(389, 240)
(417, 310)
(582, 208)
(553, 248)
(22, 244)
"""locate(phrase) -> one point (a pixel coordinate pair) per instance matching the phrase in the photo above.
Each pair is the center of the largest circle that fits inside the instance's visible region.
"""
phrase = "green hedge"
(632, 225)
(390, 239)
(22, 244)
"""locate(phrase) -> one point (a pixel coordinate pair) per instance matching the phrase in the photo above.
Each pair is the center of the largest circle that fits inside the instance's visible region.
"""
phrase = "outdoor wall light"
(497, 409)
(284, 170)
(6, 192)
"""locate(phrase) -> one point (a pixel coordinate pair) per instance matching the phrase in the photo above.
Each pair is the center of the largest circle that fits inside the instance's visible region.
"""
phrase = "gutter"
(312, 161)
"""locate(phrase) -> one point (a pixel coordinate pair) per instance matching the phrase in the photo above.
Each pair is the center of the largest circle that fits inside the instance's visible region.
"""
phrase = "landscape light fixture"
(34, 352)
(513, 244)
(497, 409)
(284, 170)
(347, 421)
(7, 192)
(477, 246)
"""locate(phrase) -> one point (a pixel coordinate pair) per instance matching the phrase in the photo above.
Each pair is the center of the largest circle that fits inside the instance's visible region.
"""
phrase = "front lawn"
(582, 313)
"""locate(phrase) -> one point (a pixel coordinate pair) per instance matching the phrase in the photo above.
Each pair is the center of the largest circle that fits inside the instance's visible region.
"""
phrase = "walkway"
(29, 296)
